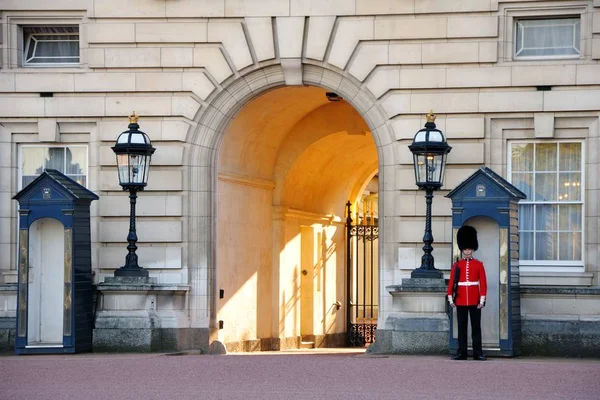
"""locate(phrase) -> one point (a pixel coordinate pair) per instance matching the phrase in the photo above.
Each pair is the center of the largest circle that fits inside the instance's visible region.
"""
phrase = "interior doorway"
(46, 283)
(288, 163)
(488, 236)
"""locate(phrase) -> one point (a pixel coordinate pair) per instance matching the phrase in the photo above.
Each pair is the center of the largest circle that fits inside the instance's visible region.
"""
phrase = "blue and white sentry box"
(55, 292)
(489, 203)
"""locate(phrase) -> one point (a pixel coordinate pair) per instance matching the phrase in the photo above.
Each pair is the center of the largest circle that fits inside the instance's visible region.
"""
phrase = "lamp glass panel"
(137, 170)
(442, 168)
(138, 138)
(123, 138)
(436, 136)
(429, 136)
(435, 166)
(147, 167)
(123, 168)
(420, 168)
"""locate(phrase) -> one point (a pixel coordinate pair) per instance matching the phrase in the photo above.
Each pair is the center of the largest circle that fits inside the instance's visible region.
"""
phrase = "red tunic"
(472, 285)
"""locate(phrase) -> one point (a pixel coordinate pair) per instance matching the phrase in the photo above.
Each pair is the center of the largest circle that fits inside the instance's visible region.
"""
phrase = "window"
(50, 45)
(71, 161)
(551, 218)
(547, 38)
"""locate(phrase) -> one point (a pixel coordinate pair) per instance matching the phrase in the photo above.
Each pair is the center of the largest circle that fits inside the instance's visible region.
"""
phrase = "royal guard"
(466, 291)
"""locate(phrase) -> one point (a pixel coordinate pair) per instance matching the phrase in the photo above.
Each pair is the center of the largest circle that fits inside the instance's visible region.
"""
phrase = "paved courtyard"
(343, 374)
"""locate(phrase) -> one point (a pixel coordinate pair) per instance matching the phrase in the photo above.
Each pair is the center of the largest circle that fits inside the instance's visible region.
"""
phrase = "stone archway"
(204, 144)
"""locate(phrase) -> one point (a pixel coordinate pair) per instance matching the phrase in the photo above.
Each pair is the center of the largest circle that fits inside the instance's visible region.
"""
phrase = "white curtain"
(547, 37)
(51, 44)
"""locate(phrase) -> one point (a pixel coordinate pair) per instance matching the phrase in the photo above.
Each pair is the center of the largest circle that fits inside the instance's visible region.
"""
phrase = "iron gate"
(362, 278)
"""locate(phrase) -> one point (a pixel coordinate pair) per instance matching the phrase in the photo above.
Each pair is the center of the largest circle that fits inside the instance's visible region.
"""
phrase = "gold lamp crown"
(431, 116)
(133, 118)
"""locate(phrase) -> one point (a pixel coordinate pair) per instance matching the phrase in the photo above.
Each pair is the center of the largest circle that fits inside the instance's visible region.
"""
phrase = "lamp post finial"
(431, 116)
(133, 118)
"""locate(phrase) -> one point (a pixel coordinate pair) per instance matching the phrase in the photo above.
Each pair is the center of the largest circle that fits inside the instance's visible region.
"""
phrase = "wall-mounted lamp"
(333, 96)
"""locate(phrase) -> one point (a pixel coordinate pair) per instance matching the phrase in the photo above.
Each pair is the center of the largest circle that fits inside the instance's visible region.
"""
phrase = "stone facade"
(230, 91)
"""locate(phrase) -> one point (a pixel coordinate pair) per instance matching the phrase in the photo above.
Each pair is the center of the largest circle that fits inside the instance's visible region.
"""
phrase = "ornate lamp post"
(429, 148)
(134, 151)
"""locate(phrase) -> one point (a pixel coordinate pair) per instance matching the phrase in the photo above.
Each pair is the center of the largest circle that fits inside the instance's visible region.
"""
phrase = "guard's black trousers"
(462, 316)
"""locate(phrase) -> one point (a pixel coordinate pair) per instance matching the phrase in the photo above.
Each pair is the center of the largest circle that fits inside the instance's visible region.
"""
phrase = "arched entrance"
(213, 121)
(288, 163)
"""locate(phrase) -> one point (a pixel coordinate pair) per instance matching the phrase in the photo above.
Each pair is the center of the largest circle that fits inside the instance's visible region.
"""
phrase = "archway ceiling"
(314, 150)
(252, 141)
(326, 173)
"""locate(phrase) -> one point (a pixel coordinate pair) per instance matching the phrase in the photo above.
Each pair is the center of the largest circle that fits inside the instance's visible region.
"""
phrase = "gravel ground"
(342, 374)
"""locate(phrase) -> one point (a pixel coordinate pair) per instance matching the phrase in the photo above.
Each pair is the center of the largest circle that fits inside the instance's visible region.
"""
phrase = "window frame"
(15, 21)
(554, 265)
(26, 45)
(45, 146)
(548, 57)
(507, 35)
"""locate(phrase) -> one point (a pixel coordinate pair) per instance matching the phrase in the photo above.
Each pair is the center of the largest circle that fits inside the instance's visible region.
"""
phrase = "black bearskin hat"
(467, 238)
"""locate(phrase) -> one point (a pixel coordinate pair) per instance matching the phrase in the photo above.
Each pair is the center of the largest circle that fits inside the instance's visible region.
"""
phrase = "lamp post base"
(427, 273)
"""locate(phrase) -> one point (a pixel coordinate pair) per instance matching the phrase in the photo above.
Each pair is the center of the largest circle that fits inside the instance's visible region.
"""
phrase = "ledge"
(561, 290)
(8, 287)
(560, 279)
(116, 287)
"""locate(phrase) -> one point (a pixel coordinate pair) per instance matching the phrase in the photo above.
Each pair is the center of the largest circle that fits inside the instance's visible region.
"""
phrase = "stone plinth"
(418, 323)
(137, 315)
(8, 316)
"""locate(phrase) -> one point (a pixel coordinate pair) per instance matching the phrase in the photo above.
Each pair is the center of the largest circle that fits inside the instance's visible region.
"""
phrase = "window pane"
(546, 246)
(546, 217)
(545, 187)
(526, 246)
(57, 49)
(570, 246)
(547, 37)
(522, 157)
(30, 47)
(524, 182)
(26, 180)
(71, 161)
(51, 44)
(570, 156)
(545, 157)
(31, 160)
(55, 158)
(570, 218)
(76, 161)
(79, 179)
(569, 187)
(526, 217)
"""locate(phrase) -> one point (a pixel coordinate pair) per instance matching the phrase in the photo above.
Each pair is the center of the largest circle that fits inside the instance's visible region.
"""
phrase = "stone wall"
(560, 321)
